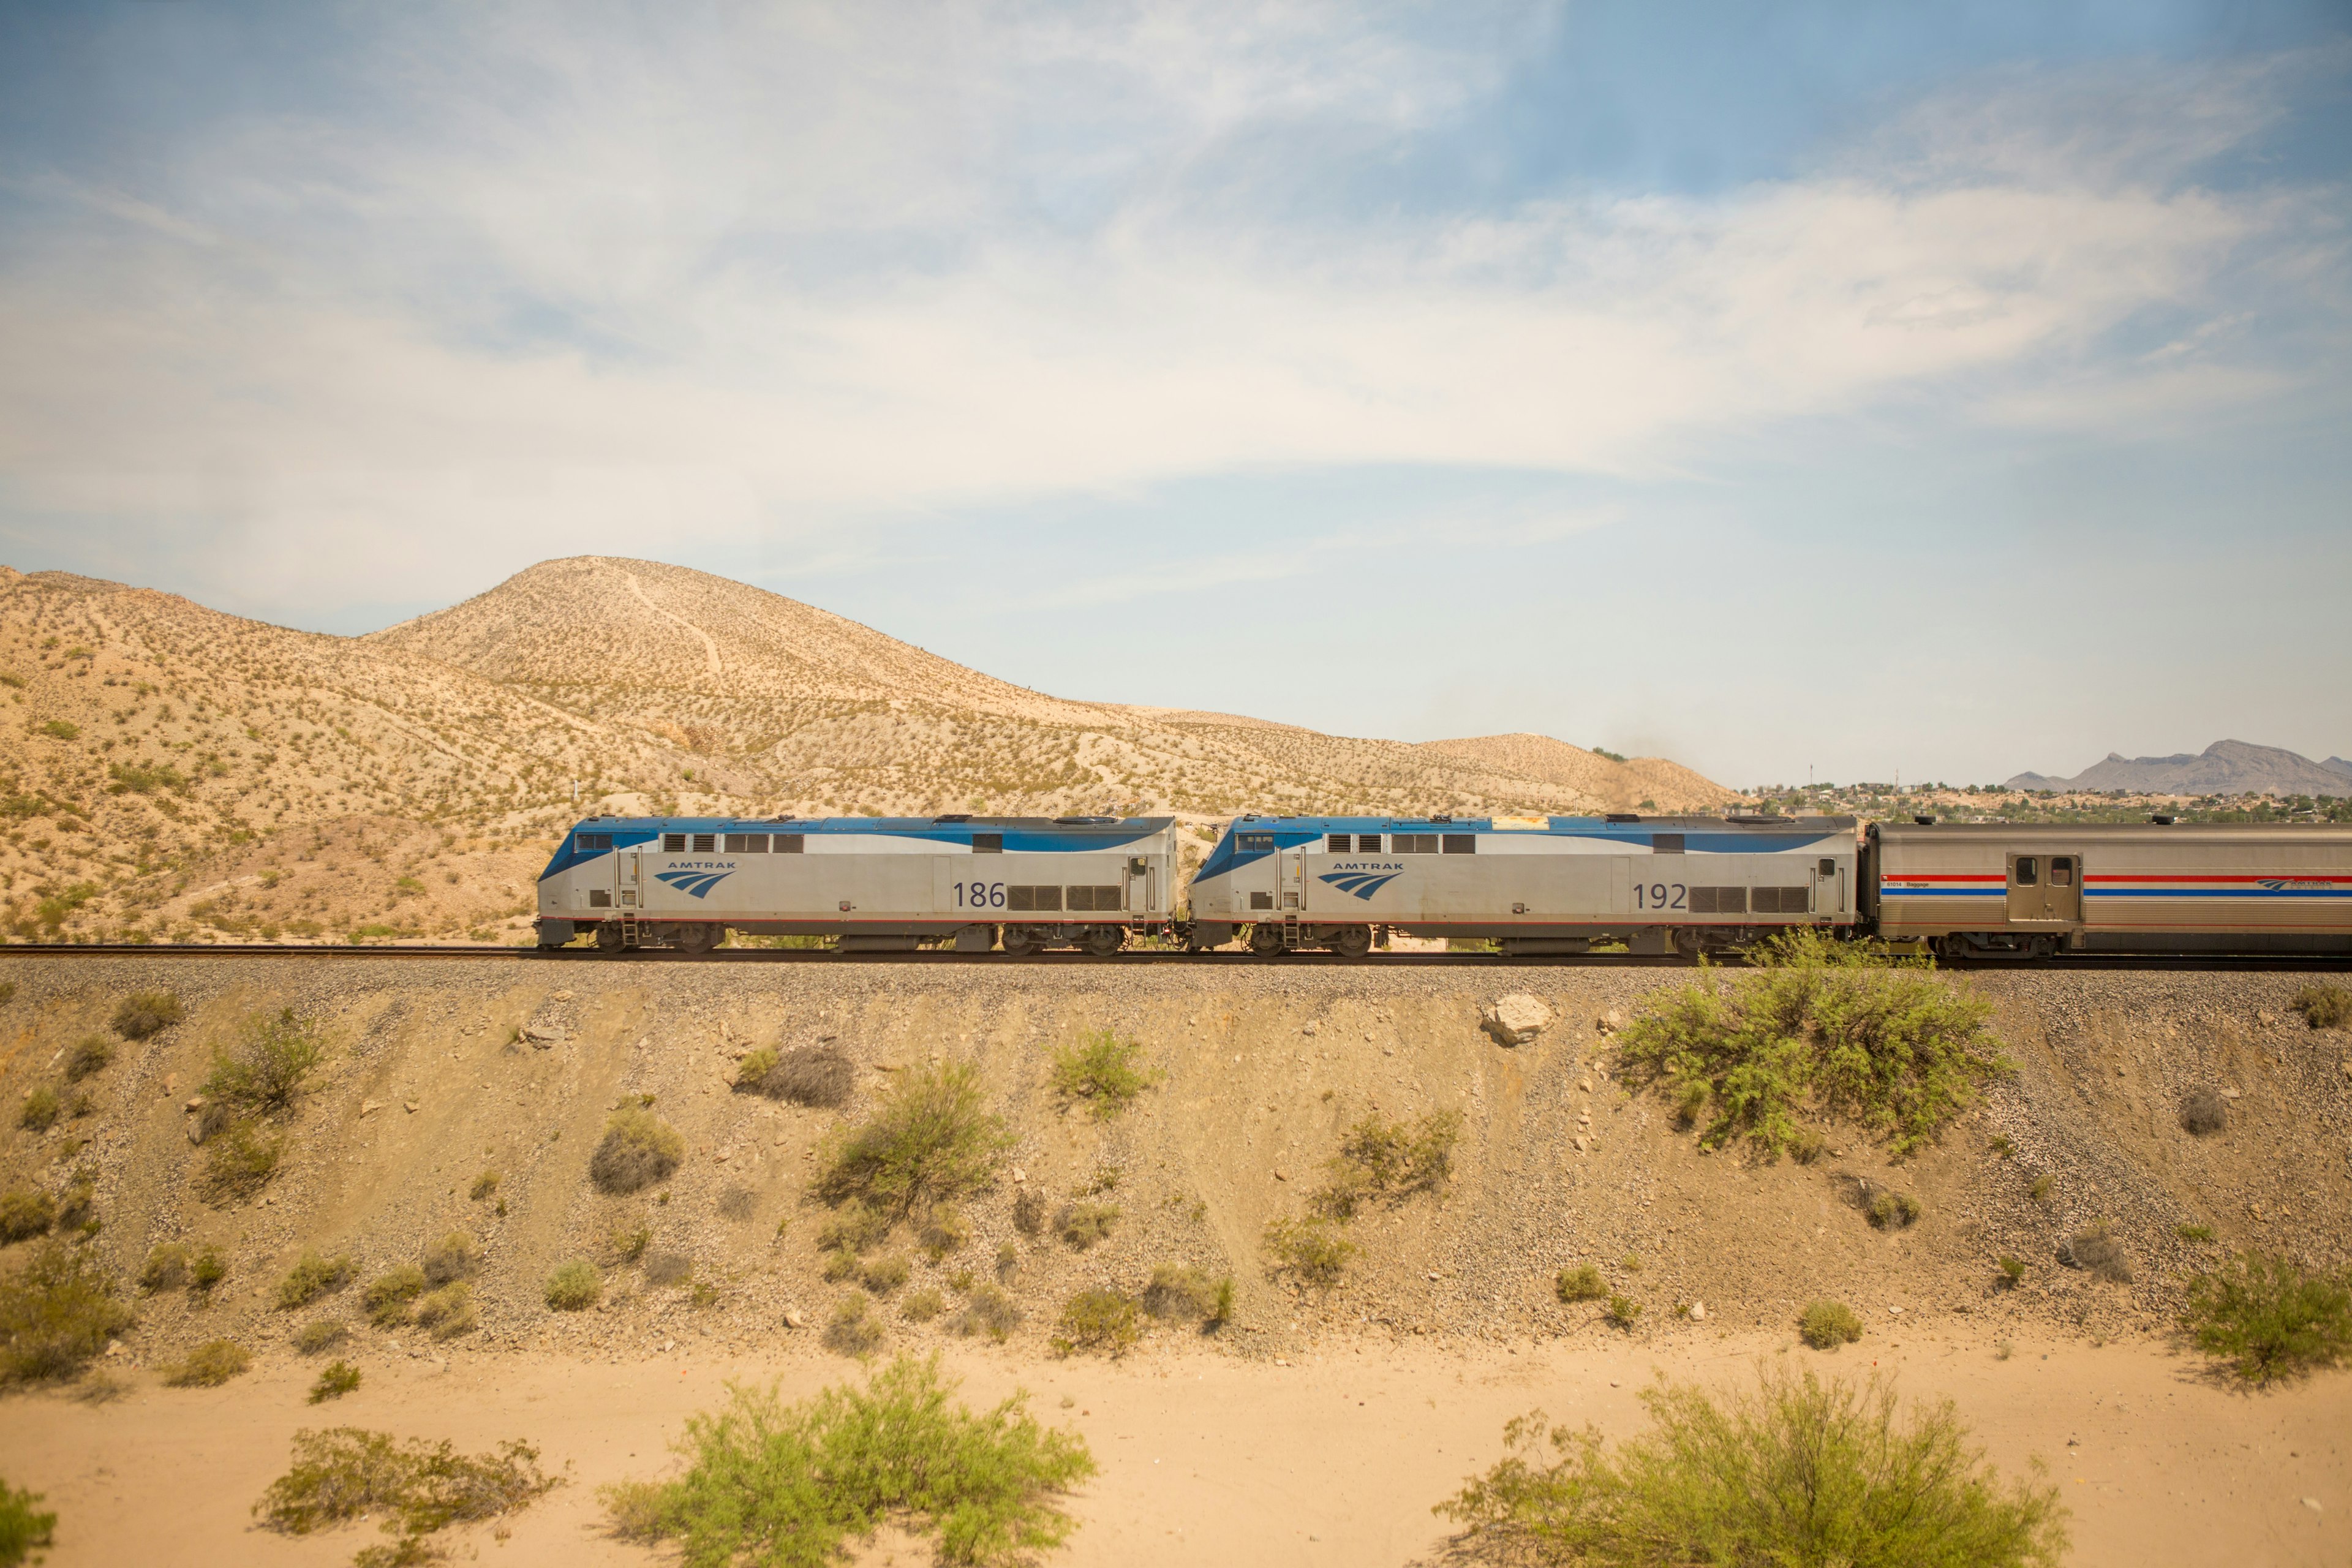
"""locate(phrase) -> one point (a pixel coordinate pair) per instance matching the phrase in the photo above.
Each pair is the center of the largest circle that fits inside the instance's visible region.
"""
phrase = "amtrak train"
(1530, 885)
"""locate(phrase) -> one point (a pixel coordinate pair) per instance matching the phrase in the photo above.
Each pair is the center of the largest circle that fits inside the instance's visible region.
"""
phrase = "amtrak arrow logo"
(1363, 884)
(698, 883)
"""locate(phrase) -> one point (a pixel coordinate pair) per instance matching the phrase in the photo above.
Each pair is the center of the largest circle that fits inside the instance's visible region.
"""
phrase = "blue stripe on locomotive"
(1290, 832)
(634, 832)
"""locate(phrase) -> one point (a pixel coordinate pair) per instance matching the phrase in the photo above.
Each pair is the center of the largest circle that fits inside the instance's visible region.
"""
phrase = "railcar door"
(2045, 890)
(1291, 874)
(628, 878)
(1139, 886)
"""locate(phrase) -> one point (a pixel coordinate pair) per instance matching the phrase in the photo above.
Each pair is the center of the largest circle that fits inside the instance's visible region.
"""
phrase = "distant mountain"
(2225, 767)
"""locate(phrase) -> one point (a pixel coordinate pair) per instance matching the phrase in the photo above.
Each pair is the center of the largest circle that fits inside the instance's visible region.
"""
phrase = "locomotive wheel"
(1353, 942)
(1266, 939)
(1952, 949)
(1688, 940)
(1103, 941)
(1020, 941)
(697, 936)
(608, 936)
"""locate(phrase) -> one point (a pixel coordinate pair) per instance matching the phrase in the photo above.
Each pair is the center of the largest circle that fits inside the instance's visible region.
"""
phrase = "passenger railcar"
(874, 884)
(1533, 884)
(2157, 887)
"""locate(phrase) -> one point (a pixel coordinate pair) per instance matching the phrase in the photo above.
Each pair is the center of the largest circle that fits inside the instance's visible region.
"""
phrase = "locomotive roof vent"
(1084, 821)
(954, 816)
(1756, 821)
(1622, 816)
(1924, 821)
(2164, 819)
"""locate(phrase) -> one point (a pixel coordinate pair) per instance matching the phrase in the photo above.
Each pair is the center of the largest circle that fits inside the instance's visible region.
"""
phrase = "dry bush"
(388, 1295)
(841, 1264)
(990, 1310)
(40, 1110)
(448, 1311)
(209, 1365)
(941, 1230)
(2324, 1007)
(311, 1277)
(2097, 1252)
(1082, 1225)
(930, 1142)
(1102, 1320)
(1389, 1161)
(421, 1487)
(2204, 1112)
(166, 1268)
(1581, 1283)
(574, 1287)
(57, 1311)
(638, 1149)
(1312, 1249)
(1826, 1325)
(484, 1186)
(26, 1213)
(854, 1227)
(738, 1203)
(335, 1380)
(319, 1333)
(667, 1268)
(89, 1056)
(207, 1267)
(884, 1274)
(454, 1256)
(922, 1306)
(807, 1075)
(1891, 1210)
(1623, 1312)
(238, 1163)
(265, 1073)
(1180, 1292)
(1103, 1071)
(854, 1331)
(627, 1244)
(1008, 1261)
(1029, 1213)
(147, 1013)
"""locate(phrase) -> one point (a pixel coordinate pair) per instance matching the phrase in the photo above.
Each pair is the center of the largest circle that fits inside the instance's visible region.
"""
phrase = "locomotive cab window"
(747, 844)
(595, 841)
(988, 844)
(2028, 872)
(1255, 843)
(673, 843)
(2061, 870)
(1666, 843)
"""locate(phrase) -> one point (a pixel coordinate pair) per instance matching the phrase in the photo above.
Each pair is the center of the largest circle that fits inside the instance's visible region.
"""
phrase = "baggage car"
(874, 884)
(1535, 884)
(2154, 886)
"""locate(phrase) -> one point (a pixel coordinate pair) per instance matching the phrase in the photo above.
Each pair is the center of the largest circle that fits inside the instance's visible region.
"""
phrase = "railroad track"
(2082, 963)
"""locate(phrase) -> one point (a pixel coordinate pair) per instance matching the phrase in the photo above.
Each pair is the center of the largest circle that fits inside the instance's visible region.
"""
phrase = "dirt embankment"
(440, 1073)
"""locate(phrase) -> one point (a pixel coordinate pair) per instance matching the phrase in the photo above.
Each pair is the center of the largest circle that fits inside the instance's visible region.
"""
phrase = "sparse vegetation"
(1084, 1224)
(1581, 1283)
(390, 1293)
(931, 1141)
(806, 1075)
(239, 1163)
(941, 1230)
(22, 1526)
(1799, 1471)
(207, 1267)
(2324, 1007)
(2199, 1233)
(26, 1213)
(638, 1149)
(89, 1057)
(1623, 1312)
(311, 1277)
(923, 1305)
(1823, 1025)
(1028, 1213)
(421, 1487)
(2204, 1112)
(1312, 1249)
(147, 1013)
(1180, 1292)
(2044, 1188)
(166, 1268)
(454, 1256)
(988, 1309)
(1097, 1319)
(209, 1365)
(1826, 1325)
(321, 1333)
(854, 1227)
(485, 1185)
(2269, 1318)
(628, 1243)
(772, 1483)
(2013, 1269)
(56, 1313)
(574, 1287)
(265, 1073)
(40, 1110)
(884, 1274)
(1388, 1160)
(2096, 1251)
(336, 1379)
(1103, 1072)
(449, 1312)
(1891, 1210)
(853, 1330)
(667, 1268)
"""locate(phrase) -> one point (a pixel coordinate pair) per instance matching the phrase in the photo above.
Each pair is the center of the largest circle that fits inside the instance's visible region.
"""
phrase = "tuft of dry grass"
(1315, 1250)
(574, 1287)
(147, 1013)
(1179, 1292)
(2203, 1112)
(321, 1333)
(26, 1213)
(2096, 1251)
(335, 1380)
(1100, 1321)
(2324, 1007)
(389, 1295)
(807, 1075)
(1825, 1325)
(449, 1312)
(853, 1330)
(989, 1310)
(454, 1256)
(1082, 1225)
(638, 1149)
(1581, 1283)
(57, 1311)
(311, 1277)
(209, 1365)
(89, 1057)
(238, 1162)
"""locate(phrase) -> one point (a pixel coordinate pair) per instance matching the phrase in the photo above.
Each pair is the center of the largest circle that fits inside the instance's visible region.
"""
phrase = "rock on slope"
(2225, 767)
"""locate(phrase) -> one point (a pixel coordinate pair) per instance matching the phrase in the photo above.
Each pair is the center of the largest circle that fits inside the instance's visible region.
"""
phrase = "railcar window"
(1261, 900)
(706, 843)
(2027, 872)
(1461, 843)
(789, 843)
(1033, 899)
(673, 843)
(988, 844)
(2061, 870)
(1256, 843)
(747, 844)
(1337, 843)
(1829, 866)
(595, 841)
(1666, 843)
(1413, 843)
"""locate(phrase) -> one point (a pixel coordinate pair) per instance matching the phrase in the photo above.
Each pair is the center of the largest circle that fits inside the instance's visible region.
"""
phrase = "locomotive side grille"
(1413, 843)
(747, 844)
(1033, 899)
(1780, 900)
(789, 843)
(1719, 900)
(1261, 900)
(706, 843)
(1093, 899)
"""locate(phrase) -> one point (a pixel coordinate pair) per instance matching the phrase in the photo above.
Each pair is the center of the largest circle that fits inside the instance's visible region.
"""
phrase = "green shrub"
(1180, 1291)
(40, 1110)
(638, 1149)
(930, 1142)
(1104, 1320)
(2013, 1269)
(1798, 1472)
(22, 1527)
(336, 1379)
(990, 1310)
(209, 1365)
(266, 1072)
(238, 1163)
(628, 1244)
(1818, 1024)
(420, 1487)
(206, 1268)
(390, 1293)
(88, 1056)
(922, 1306)
(854, 1331)
(1826, 1325)
(2324, 1007)
(311, 1277)
(755, 1066)
(777, 1484)
(1891, 1210)
(1103, 1071)
(1581, 1283)
(1085, 1224)
(454, 1256)
(26, 1213)
(166, 1268)
(841, 1264)
(2270, 1317)
(574, 1285)
(1390, 1161)
(147, 1013)
(484, 1186)
(56, 1313)
(2193, 1232)
(854, 1227)
(1623, 1312)
(319, 1333)
(884, 1274)
(2097, 1251)
(448, 1311)
(2044, 1188)
(1312, 1249)
(808, 1075)
(942, 1230)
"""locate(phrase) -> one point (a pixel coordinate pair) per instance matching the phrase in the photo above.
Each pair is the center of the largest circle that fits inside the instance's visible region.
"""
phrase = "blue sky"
(1844, 387)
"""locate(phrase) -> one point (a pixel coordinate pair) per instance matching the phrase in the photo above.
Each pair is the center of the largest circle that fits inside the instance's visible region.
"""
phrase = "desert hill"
(173, 771)
(2225, 767)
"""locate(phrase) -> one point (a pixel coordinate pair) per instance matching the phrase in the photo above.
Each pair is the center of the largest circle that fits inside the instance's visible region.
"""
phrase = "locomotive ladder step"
(1290, 931)
(629, 930)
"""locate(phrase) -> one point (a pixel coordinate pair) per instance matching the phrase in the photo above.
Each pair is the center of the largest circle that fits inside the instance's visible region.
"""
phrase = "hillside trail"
(1333, 1460)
